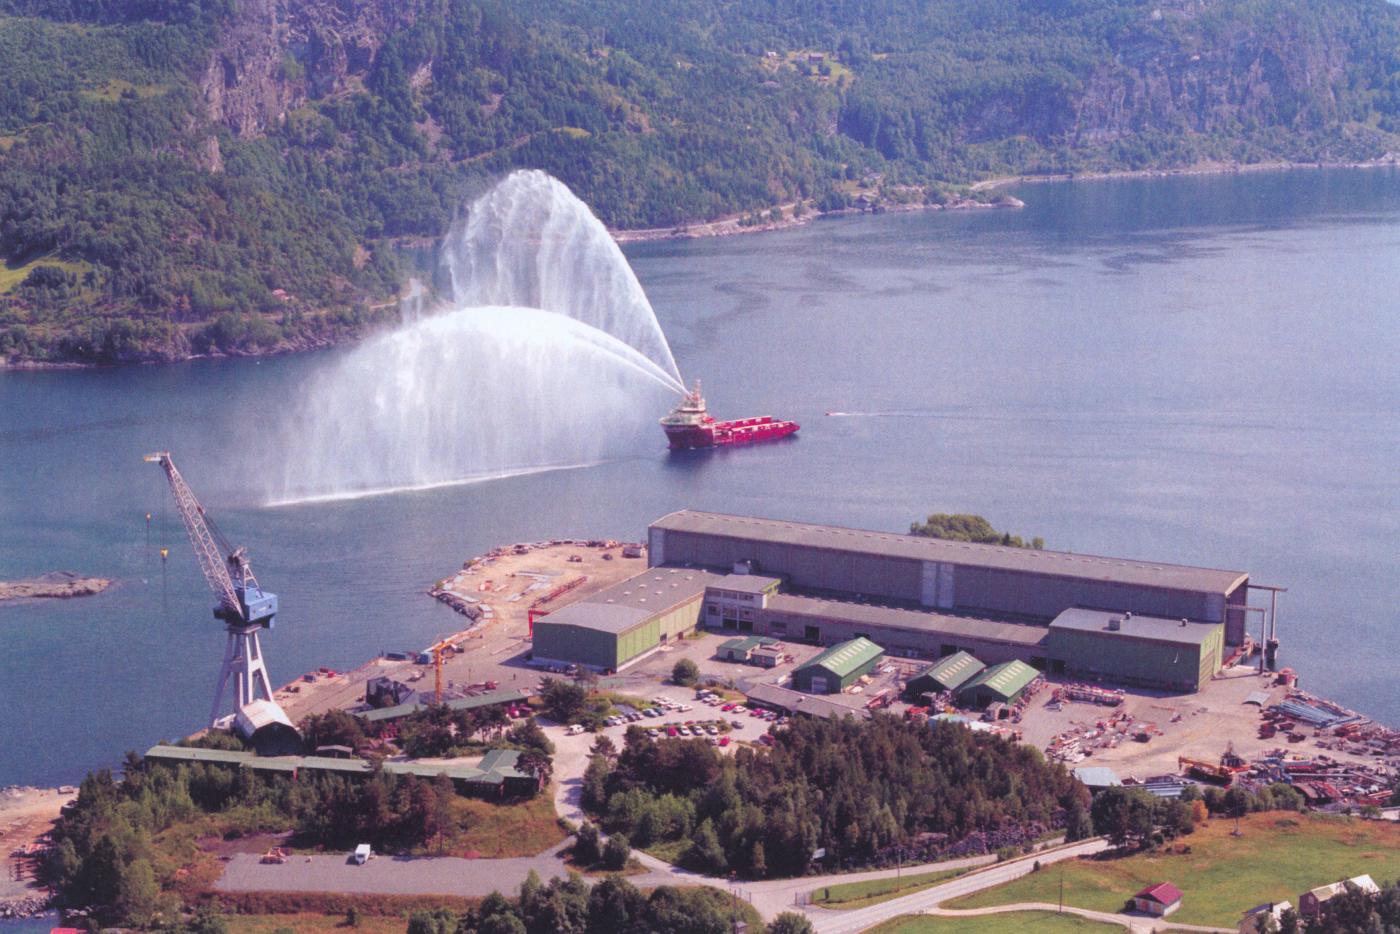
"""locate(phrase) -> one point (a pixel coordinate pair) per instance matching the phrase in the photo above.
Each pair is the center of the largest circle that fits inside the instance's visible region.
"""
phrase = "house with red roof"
(1159, 900)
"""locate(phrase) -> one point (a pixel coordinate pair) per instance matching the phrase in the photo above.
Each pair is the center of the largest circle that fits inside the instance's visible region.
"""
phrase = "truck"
(362, 854)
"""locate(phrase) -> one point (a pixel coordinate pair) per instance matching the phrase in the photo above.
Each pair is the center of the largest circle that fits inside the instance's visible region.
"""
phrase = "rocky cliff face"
(274, 54)
(1176, 72)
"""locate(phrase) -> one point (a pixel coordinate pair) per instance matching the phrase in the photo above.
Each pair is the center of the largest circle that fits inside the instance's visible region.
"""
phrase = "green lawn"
(873, 891)
(1041, 922)
(11, 276)
(1279, 855)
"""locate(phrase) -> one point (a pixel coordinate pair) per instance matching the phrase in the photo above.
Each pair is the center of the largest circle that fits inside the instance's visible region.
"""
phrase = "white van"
(362, 854)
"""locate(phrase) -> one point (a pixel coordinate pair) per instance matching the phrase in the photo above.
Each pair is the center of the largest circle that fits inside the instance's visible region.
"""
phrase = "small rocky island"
(54, 585)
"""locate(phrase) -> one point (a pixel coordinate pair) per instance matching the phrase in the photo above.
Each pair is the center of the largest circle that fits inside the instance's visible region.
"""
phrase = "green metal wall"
(610, 651)
(1115, 657)
(565, 643)
(802, 677)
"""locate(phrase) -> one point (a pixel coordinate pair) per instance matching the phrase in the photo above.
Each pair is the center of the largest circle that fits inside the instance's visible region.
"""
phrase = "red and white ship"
(690, 426)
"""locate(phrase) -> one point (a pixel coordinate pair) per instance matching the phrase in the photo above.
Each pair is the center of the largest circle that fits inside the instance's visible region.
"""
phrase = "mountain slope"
(212, 176)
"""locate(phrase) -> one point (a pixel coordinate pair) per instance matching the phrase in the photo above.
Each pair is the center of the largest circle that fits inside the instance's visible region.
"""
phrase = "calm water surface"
(1194, 370)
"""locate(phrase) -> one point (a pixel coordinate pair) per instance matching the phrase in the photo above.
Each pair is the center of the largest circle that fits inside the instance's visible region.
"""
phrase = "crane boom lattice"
(206, 550)
(244, 607)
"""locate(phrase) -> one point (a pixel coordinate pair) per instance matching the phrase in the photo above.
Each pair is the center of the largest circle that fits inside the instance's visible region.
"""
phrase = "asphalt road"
(859, 919)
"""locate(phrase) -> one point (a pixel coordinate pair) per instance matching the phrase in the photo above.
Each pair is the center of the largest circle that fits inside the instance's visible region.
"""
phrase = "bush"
(586, 845)
(616, 853)
(685, 673)
(789, 922)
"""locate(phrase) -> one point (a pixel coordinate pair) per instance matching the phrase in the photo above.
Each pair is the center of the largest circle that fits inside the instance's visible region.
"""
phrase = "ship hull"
(737, 431)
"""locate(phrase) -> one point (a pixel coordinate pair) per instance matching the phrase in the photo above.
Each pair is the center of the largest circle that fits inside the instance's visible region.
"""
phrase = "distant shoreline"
(1390, 160)
(730, 226)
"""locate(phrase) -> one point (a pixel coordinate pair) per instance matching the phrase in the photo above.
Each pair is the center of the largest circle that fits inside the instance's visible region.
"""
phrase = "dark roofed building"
(963, 577)
(946, 674)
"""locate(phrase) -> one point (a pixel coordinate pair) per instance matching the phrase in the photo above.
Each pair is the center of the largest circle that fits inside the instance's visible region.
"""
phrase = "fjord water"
(1199, 370)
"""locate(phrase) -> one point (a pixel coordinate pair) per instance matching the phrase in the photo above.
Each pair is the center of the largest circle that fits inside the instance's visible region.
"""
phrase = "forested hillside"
(236, 176)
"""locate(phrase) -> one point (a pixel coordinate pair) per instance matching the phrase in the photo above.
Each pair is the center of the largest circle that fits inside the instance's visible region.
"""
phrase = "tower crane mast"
(244, 607)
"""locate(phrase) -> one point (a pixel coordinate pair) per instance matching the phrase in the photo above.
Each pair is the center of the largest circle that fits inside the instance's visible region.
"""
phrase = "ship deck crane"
(244, 607)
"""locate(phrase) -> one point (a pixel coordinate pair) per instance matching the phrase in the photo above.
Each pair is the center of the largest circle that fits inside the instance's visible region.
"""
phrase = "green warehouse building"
(946, 674)
(625, 622)
(1004, 683)
(838, 667)
(1175, 654)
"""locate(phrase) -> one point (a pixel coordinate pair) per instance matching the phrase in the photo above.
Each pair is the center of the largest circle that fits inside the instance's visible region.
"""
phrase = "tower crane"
(244, 607)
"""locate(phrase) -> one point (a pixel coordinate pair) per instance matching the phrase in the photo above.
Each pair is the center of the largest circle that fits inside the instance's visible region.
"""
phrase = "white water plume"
(529, 242)
(549, 357)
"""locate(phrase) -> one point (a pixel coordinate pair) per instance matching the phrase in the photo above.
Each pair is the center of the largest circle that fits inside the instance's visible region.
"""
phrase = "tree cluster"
(862, 791)
(106, 856)
(964, 527)
(612, 906)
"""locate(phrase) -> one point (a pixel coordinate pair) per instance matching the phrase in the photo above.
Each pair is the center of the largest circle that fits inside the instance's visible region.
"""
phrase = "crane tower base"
(243, 663)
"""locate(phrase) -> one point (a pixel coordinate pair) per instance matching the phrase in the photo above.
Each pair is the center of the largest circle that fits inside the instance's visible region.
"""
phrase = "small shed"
(264, 725)
(740, 649)
(1006, 683)
(946, 674)
(838, 667)
(768, 655)
(1158, 900)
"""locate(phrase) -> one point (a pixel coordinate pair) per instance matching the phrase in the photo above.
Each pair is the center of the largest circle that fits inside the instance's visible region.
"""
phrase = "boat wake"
(463, 481)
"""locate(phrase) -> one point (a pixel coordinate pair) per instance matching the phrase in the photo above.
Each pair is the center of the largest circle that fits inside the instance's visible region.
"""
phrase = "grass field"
(305, 922)
(498, 831)
(873, 891)
(1279, 855)
(1041, 922)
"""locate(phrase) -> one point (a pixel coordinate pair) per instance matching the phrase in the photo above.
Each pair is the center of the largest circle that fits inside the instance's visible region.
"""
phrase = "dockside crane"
(245, 608)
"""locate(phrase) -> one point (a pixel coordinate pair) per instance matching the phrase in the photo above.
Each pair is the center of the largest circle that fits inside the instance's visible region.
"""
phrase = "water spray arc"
(547, 355)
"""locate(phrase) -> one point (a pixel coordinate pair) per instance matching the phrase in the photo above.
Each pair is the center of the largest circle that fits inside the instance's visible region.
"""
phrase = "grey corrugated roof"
(1134, 626)
(1025, 634)
(1097, 776)
(603, 617)
(797, 702)
(505, 696)
(190, 754)
(657, 589)
(918, 548)
(746, 583)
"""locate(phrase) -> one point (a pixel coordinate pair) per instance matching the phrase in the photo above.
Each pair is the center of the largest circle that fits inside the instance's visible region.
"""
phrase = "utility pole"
(1062, 887)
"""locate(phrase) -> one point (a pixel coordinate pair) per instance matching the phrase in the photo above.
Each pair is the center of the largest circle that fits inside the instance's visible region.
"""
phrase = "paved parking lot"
(388, 875)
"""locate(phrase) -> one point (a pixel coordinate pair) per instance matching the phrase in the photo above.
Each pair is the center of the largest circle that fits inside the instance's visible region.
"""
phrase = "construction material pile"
(1088, 694)
(1325, 782)
(1082, 740)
